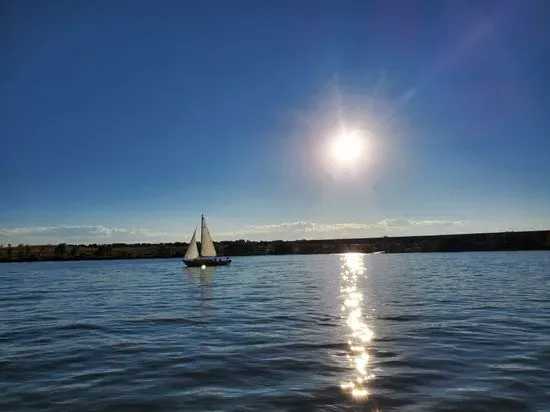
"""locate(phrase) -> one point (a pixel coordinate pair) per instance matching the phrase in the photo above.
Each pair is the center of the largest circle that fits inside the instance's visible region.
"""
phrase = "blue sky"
(124, 121)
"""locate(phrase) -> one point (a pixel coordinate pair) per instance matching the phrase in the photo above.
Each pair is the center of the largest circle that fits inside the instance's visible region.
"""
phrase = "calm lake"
(410, 332)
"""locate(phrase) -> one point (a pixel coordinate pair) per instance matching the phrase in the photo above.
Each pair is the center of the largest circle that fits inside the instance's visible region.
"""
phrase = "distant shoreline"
(502, 241)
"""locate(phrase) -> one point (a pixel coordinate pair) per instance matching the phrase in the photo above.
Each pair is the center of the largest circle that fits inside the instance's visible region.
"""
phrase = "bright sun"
(347, 148)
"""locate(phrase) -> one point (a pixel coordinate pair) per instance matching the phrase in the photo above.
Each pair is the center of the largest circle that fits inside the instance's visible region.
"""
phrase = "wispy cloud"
(80, 234)
(285, 230)
(308, 229)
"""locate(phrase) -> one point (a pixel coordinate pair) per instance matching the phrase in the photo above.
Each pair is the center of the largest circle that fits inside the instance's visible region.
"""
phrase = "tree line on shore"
(532, 240)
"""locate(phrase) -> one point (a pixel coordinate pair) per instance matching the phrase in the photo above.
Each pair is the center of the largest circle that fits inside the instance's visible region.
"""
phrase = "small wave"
(399, 318)
(339, 346)
(283, 317)
(327, 324)
(409, 382)
(168, 320)
(81, 326)
(544, 354)
(22, 298)
(35, 333)
(482, 404)
(382, 339)
(490, 306)
(378, 354)
(138, 406)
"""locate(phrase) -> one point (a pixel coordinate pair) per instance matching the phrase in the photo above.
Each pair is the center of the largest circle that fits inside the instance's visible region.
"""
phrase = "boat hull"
(206, 262)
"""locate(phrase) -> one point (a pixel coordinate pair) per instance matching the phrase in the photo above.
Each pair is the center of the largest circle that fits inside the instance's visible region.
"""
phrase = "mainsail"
(192, 250)
(207, 245)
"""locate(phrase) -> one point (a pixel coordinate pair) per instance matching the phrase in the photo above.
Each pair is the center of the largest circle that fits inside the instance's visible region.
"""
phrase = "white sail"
(192, 250)
(207, 245)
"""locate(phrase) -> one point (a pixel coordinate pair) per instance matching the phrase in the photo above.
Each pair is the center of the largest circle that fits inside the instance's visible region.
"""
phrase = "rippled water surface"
(423, 332)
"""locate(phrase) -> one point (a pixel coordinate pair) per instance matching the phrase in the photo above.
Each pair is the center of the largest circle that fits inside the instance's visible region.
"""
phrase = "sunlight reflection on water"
(352, 268)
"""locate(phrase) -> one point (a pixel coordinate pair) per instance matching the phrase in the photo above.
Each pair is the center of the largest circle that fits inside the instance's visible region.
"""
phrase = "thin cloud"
(286, 230)
(438, 222)
(308, 229)
(79, 234)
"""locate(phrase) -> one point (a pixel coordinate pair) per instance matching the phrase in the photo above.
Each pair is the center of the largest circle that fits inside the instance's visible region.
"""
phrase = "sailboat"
(207, 255)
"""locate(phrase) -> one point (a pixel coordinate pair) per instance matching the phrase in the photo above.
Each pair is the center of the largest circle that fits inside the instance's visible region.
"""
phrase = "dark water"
(422, 332)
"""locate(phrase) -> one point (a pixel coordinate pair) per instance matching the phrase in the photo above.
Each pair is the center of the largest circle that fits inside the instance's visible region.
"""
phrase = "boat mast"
(202, 225)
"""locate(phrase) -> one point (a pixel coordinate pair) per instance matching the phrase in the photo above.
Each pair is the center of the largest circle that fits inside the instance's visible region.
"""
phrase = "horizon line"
(294, 240)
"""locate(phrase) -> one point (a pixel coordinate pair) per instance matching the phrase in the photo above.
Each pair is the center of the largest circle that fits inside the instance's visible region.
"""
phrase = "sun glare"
(347, 148)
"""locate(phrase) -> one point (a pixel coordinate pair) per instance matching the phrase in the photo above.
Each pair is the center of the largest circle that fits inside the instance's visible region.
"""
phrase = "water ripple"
(441, 332)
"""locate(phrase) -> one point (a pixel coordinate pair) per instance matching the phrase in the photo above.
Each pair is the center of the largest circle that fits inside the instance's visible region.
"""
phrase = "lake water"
(422, 332)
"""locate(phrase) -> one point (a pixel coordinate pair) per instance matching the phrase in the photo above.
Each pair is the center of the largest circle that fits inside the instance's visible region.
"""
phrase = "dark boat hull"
(193, 263)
